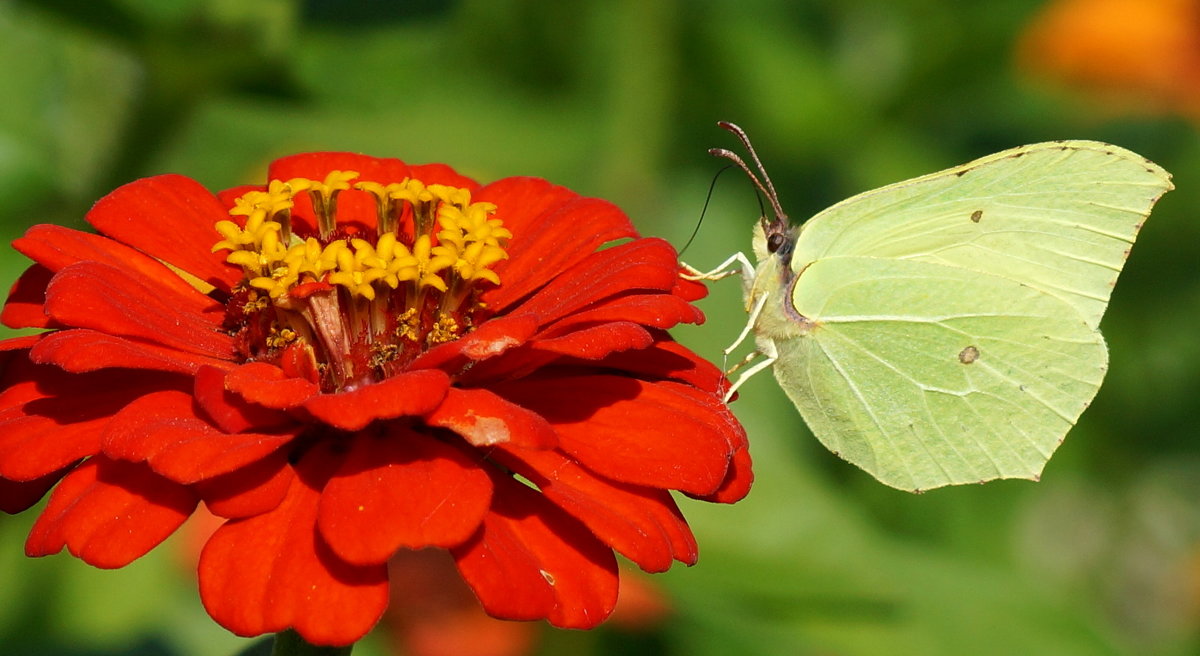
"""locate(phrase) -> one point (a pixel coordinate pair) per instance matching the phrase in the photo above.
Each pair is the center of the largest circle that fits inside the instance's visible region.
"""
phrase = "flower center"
(347, 306)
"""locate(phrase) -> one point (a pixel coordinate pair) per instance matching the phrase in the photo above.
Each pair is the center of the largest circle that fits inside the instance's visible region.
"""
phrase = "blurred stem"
(289, 643)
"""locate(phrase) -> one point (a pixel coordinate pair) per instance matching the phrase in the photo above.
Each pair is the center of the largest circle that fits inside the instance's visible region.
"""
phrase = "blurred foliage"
(618, 99)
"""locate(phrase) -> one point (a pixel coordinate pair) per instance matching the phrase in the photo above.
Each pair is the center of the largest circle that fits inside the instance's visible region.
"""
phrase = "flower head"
(356, 358)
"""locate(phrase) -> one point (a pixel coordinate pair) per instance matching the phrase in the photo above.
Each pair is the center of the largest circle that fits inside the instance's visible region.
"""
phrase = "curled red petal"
(494, 338)
(273, 571)
(664, 434)
(80, 350)
(401, 489)
(406, 394)
(109, 513)
(641, 523)
(484, 419)
(269, 386)
(531, 560)
(109, 300)
(171, 219)
(228, 411)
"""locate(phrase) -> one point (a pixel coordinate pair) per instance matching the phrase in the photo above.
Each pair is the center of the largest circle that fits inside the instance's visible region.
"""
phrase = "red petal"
(738, 479)
(25, 305)
(662, 435)
(597, 342)
(405, 394)
(268, 385)
(230, 412)
(689, 290)
(162, 430)
(56, 248)
(98, 296)
(54, 419)
(494, 337)
(110, 513)
(32, 446)
(669, 360)
(532, 560)
(81, 350)
(22, 381)
(654, 310)
(353, 206)
(251, 490)
(170, 218)
(440, 174)
(641, 264)
(19, 496)
(21, 343)
(642, 523)
(315, 166)
(273, 571)
(484, 419)
(228, 197)
(401, 489)
(546, 221)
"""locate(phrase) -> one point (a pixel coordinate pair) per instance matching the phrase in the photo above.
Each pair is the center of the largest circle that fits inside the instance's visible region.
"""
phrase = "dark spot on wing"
(976, 215)
(968, 355)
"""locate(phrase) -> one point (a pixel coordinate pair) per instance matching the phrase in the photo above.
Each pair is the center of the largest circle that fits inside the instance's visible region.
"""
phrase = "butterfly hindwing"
(927, 375)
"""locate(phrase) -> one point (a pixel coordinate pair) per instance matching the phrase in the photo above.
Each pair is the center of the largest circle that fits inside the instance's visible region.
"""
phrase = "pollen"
(364, 300)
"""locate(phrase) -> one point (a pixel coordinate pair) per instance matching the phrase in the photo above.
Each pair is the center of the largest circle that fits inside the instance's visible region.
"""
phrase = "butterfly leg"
(766, 348)
(722, 270)
(750, 321)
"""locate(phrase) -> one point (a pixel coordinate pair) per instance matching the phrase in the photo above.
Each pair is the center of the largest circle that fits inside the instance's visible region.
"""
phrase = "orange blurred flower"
(1139, 56)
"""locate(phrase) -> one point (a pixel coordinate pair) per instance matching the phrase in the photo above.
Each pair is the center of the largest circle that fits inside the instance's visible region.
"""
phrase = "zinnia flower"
(357, 358)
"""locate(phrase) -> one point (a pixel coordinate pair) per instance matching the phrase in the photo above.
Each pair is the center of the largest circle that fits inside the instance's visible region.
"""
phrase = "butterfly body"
(944, 330)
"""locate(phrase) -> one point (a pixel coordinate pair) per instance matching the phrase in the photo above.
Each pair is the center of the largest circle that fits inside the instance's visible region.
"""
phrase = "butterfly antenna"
(764, 184)
(704, 210)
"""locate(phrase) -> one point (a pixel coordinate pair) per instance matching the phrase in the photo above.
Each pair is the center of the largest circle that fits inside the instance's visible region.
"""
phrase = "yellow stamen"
(444, 330)
(406, 325)
(393, 293)
(324, 198)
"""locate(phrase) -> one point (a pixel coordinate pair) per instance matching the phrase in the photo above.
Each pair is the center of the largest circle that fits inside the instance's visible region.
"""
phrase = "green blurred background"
(619, 99)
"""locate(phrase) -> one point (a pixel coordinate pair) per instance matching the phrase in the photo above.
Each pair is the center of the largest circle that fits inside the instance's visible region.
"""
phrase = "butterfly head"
(773, 236)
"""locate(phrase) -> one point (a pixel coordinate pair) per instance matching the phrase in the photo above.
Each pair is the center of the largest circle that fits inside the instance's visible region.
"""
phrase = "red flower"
(362, 357)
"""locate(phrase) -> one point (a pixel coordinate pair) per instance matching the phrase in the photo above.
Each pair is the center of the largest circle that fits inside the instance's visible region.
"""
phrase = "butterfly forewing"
(1058, 216)
(927, 375)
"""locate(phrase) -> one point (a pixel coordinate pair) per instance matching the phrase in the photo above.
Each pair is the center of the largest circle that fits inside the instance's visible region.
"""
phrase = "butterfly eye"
(774, 242)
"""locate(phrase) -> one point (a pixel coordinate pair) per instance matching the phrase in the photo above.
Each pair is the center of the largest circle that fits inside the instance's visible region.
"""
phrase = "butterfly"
(945, 330)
